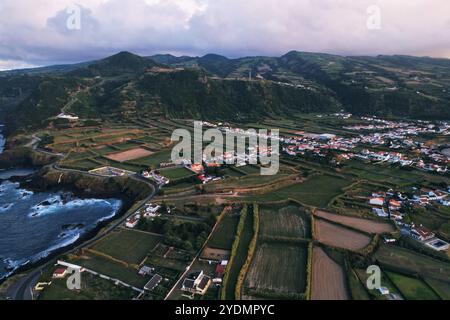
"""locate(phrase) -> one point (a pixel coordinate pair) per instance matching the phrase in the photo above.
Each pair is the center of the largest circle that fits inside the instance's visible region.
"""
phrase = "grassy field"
(154, 160)
(385, 282)
(397, 257)
(128, 245)
(176, 173)
(92, 288)
(442, 288)
(224, 235)
(286, 221)
(112, 269)
(388, 174)
(357, 288)
(411, 288)
(317, 191)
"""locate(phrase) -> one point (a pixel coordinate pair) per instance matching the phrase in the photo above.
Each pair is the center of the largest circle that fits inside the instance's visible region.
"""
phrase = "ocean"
(35, 224)
(2, 139)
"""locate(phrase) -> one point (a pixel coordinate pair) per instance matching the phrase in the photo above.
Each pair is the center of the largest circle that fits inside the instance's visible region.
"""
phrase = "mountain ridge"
(214, 86)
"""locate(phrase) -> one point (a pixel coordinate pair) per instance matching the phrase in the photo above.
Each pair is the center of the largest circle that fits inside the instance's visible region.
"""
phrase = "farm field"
(411, 288)
(328, 278)
(92, 288)
(316, 191)
(246, 182)
(279, 269)
(129, 155)
(168, 257)
(128, 245)
(415, 263)
(111, 268)
(442, 288)
(337, 236)
(287, 221)
(176, 173)
(365, 225)
(154, 160)
(224, 235)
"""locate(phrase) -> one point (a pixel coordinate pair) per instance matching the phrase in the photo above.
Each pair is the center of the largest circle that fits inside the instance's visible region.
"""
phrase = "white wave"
(12, 266)
(25, 194)
(8, 185)
(70, 238)
(56, 204)
(6, 207)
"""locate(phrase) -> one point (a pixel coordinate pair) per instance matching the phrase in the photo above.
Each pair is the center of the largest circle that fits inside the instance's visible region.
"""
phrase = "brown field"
(357, 223)
(278, 267)
(328, 278)
(130, 155)
(336, 236)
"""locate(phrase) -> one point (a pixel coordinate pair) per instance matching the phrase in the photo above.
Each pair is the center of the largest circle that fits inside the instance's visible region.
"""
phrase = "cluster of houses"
(389, 204)
(149, 211)
(394, 135)
(199, 170)
(156, 176)
(316, 143)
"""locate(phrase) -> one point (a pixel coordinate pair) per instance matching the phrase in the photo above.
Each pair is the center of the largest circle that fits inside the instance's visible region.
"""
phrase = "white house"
(377, 202)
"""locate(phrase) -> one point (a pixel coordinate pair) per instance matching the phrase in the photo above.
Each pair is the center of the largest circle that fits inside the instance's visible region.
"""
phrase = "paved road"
(22, 289)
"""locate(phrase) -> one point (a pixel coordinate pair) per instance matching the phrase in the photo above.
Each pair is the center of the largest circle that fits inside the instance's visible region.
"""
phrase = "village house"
(422, 234)
(132, 222)
(196, 283)
(60, 273)
(376, 202)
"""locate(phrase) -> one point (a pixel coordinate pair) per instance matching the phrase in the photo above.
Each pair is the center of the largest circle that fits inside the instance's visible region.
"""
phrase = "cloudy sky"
(43, 32)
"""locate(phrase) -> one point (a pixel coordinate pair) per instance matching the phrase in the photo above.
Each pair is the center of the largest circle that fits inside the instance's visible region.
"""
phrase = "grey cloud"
(34, 32)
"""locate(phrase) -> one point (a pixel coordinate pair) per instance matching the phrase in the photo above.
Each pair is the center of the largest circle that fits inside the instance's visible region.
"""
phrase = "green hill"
(214, 87)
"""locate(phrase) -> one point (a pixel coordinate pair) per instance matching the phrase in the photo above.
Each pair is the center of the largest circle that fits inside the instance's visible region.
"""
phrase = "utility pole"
(250, 75)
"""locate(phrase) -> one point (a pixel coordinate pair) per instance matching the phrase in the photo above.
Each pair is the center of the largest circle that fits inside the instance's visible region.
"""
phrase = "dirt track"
(340, 237)
(328, 279)
(130, 155)
(357, 223)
